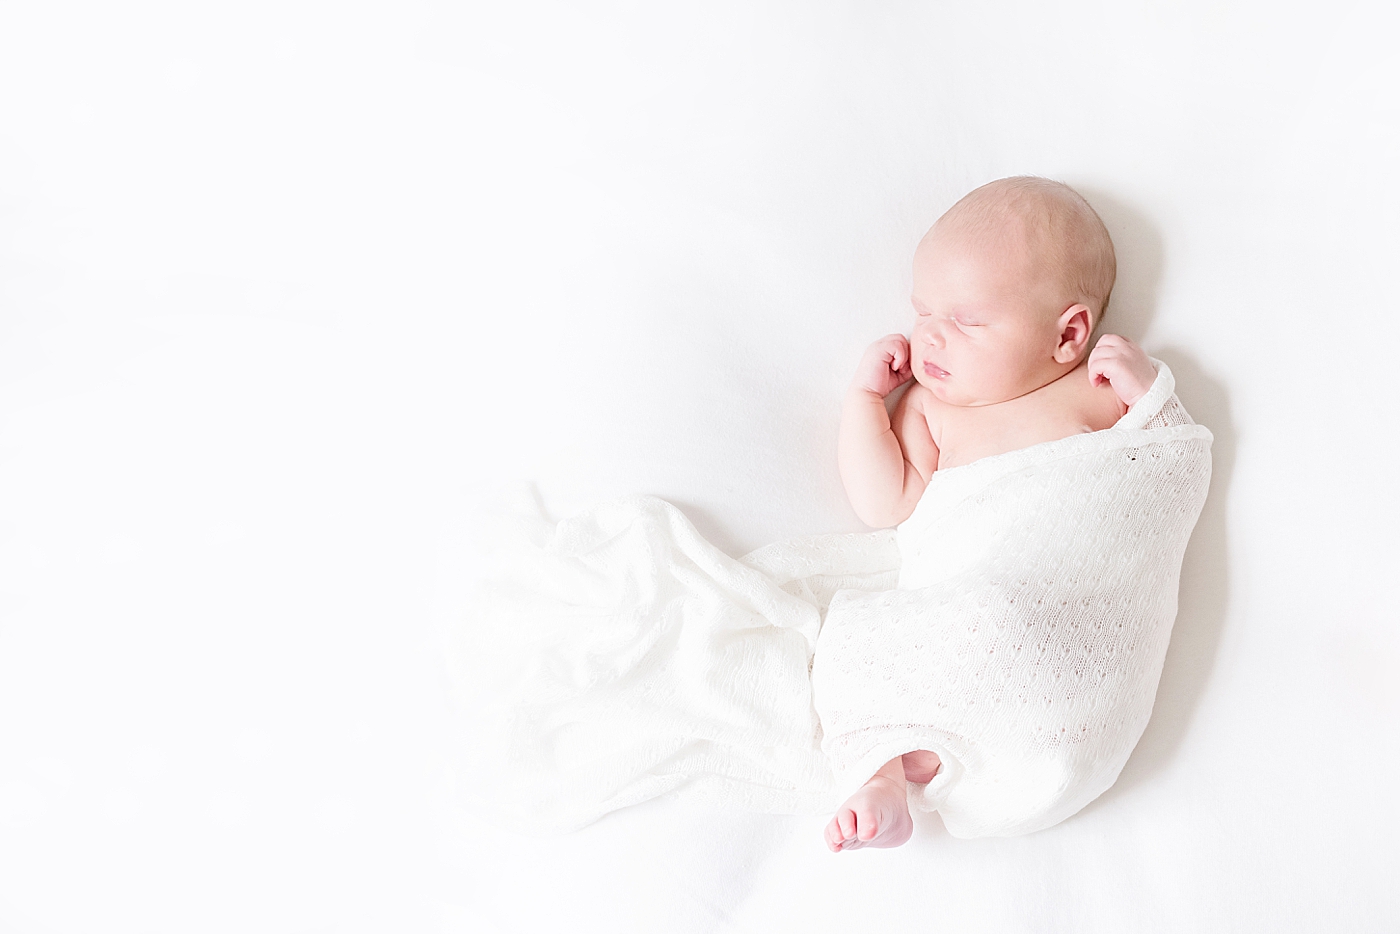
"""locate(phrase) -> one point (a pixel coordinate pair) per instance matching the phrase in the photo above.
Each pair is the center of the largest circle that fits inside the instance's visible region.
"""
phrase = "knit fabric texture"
(1025, 639)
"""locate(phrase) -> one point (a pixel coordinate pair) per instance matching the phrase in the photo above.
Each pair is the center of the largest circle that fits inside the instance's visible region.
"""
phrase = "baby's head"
(1008, 287)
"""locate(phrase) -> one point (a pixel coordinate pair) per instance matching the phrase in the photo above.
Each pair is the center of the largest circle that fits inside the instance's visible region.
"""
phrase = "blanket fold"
(1015, 624)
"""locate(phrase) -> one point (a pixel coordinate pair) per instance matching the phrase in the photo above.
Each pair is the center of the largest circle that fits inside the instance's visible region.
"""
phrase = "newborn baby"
(1009, 285)
(995, 658)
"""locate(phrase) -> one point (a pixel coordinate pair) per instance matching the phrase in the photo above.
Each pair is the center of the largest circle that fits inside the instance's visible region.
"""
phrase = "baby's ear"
(1076, 325)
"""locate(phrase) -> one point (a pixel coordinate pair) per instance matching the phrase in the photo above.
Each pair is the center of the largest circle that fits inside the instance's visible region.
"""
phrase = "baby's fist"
(885, 366)
(1124, 366)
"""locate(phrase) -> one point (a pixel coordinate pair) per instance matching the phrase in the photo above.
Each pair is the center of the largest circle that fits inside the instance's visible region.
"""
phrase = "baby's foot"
(921, 766)
(876, 815)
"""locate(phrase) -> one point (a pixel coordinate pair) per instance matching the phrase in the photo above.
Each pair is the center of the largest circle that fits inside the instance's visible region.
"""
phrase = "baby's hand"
(1123, 364)
(885, 366)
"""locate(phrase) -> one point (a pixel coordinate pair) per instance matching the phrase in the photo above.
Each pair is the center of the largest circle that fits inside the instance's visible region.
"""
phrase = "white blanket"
(1016, 624)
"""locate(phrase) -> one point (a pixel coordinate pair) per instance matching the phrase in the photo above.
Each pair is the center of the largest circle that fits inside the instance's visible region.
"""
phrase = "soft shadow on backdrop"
(1204, 590)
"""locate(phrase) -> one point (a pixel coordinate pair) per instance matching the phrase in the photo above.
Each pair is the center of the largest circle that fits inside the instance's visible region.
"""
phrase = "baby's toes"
(833, 836)
(846, 821)
(869, 826)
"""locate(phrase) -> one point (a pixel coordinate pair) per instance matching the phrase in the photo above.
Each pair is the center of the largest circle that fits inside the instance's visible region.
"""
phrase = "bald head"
(1047, 223)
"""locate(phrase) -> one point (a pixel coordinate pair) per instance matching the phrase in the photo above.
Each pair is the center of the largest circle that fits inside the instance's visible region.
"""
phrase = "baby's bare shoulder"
(918, 395)
(1074, 402)
(917, 427)
(919, 400)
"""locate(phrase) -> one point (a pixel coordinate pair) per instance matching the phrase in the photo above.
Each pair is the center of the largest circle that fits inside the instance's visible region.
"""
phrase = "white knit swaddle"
(1018, 630)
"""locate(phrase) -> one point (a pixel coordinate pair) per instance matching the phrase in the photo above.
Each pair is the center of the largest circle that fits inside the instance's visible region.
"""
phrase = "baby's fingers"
(1098, 367)
(899, 358)
(1108, 368)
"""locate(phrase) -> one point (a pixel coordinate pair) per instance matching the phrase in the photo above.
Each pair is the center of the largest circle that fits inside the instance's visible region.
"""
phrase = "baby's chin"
(950, 392)
(940, 387)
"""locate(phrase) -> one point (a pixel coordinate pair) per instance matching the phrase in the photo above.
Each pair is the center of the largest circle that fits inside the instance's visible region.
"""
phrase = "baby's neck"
(1065, 405)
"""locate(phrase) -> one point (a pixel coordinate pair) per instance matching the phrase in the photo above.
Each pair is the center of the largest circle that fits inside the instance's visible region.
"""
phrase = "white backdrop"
(286, 289)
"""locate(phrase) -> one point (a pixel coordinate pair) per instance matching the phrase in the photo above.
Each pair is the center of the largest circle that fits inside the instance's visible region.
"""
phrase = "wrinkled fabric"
(1015, 624)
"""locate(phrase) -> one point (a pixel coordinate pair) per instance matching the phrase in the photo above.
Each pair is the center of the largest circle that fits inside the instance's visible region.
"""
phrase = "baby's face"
(985, 329)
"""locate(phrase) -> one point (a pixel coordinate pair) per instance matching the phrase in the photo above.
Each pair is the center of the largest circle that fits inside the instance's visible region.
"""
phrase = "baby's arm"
(1124, 366)
(885, 464)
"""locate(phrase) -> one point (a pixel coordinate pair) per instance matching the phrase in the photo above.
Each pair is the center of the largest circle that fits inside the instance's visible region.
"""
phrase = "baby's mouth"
(937, 372)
